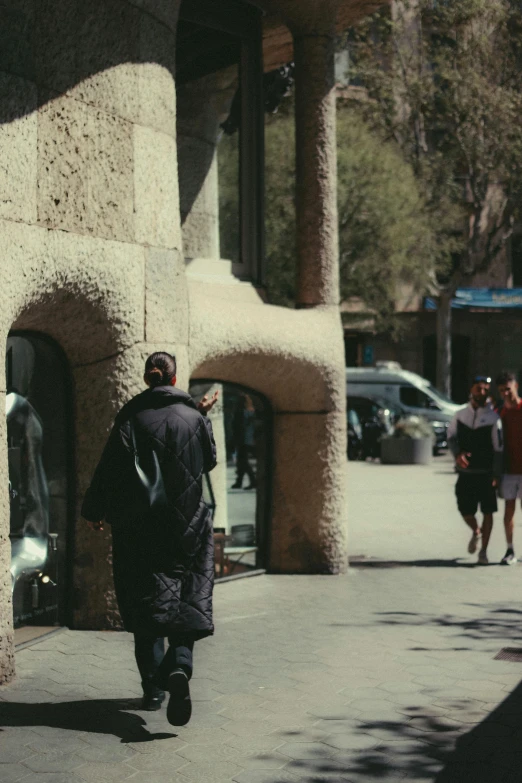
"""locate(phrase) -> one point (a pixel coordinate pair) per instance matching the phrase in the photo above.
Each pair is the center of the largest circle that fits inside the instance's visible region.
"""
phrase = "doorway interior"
(238, 489)
(40, 459)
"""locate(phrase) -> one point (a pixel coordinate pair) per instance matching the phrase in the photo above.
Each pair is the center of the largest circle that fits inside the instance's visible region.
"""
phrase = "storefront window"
(219, 80)
(37, 405)
(237, 489)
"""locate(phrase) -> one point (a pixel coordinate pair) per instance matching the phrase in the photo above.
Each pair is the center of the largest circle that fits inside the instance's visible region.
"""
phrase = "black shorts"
(473, 490)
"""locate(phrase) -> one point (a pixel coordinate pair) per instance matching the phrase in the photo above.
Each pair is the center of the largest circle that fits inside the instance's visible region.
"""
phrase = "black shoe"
(236, 485)
(179, 708)
(151, 703)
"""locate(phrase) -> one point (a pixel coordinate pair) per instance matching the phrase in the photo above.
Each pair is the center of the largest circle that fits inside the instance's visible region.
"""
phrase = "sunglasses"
(481, 379)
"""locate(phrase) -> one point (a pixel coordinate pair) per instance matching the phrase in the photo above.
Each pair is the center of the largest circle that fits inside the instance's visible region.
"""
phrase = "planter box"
(406, 451)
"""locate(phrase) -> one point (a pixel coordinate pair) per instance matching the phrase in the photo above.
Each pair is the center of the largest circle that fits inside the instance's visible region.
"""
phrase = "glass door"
(38, 441)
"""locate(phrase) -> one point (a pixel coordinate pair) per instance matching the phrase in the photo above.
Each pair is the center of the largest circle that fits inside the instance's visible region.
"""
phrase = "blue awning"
(483, 298)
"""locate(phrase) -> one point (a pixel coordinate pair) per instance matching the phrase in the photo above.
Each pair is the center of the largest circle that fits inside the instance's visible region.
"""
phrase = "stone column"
(309, 494)
(316, 172)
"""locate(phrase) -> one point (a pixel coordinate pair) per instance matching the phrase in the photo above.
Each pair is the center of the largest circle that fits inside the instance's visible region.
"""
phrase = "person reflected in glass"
(148, 487)
(28, 489)
(244, 429)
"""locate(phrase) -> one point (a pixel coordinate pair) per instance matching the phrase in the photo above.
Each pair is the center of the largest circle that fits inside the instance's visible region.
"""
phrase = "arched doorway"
(40, 458)
(239, 488)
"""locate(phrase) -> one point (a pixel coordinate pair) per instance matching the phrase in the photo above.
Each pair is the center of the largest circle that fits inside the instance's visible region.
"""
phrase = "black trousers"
(243, 465)
(155, 665)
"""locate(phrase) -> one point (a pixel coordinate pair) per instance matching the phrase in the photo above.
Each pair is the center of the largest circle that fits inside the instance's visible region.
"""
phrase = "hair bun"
(155, 376)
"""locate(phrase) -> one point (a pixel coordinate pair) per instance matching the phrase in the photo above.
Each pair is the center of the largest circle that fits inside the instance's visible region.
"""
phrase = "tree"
(384, 236)
(444, 81)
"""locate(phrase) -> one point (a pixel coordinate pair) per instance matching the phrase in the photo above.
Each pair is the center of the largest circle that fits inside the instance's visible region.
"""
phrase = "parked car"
(405, 391)
(379, 417)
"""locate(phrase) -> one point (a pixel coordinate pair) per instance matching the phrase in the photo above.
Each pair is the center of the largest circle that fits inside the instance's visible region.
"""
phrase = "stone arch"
(289, 358)
(96, 317)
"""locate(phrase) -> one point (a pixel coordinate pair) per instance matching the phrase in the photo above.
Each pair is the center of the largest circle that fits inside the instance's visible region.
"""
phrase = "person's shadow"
(100, 716)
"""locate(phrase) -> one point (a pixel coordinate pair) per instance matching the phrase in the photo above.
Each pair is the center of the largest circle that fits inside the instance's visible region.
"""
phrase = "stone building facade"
(108, 235)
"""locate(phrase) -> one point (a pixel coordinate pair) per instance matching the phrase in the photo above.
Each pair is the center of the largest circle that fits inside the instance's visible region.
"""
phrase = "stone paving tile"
(212, 771)
(52, 777)
(384, 675)
(11, 773)
(94, 771)
(265, 776)
(52, 762)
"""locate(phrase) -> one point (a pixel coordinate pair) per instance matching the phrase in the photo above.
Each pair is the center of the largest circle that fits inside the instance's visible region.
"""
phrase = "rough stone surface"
(166, 297)
(316, 167)
(18, 133)
(157, 89)
(309, 523)
(202, 106)
(57, 279)
(201, 224)
(165, 11)
(85, 170)
(292, 357)
(107, 49)
(16, 55)
(156, 189)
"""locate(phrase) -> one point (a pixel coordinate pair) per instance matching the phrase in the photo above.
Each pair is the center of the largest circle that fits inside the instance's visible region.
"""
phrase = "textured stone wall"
(89, 227)
(202, 106)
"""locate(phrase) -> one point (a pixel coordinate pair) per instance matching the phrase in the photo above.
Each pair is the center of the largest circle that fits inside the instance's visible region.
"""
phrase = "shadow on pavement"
(355, 562)
(490, 752)
(420, 747)
(100, 716)
(497, 623)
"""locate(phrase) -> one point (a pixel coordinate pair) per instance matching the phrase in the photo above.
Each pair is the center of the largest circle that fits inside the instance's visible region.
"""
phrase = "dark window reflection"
(38, 456)
(237, 489)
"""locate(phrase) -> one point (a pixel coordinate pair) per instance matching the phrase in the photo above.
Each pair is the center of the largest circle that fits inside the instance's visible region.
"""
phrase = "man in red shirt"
(511, 484)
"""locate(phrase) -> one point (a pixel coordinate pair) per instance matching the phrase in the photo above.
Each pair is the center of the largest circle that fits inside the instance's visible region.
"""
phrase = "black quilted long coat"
(163, 561)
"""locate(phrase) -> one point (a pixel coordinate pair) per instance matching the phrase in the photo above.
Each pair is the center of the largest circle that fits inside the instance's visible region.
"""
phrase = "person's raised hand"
(206, 404)
(462, 459)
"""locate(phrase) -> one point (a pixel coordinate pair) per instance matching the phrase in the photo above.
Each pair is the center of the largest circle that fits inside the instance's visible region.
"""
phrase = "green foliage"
(444, 81)
(228, 178)
(280, 238)
(384, 236)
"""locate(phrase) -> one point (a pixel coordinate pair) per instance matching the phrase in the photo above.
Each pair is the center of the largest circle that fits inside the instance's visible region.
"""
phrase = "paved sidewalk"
(387, 674)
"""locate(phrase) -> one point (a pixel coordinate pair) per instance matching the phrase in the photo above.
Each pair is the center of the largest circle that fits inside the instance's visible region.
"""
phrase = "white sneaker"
(482, 558)
(473, 542)
(509, 558)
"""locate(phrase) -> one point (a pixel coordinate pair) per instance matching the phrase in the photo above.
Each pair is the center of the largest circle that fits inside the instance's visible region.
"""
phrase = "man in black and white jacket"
(475, 439)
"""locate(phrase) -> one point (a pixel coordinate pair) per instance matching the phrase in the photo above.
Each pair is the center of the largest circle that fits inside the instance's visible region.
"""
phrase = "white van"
(406, 390)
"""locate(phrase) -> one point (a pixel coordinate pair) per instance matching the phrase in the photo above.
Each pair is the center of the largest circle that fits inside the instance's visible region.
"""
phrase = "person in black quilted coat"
(148, 487)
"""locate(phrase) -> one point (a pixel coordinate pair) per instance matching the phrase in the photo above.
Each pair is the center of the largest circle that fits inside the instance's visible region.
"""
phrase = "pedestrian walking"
(245, 441)
(475, 439)
(511, 483)
(148, 487)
